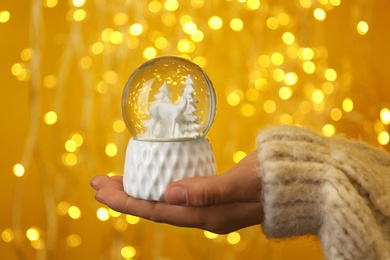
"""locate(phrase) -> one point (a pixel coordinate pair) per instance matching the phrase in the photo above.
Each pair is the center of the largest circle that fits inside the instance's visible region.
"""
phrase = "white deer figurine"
(165, 116)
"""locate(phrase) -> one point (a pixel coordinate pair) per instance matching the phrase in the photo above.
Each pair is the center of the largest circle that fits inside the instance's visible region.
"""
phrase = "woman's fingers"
(218, 218)
(221, 218)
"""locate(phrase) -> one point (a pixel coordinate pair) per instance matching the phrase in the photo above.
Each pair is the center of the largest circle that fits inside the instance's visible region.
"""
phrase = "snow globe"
(168, 105)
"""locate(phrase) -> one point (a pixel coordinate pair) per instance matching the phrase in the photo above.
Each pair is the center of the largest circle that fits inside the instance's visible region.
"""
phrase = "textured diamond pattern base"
(151, 166)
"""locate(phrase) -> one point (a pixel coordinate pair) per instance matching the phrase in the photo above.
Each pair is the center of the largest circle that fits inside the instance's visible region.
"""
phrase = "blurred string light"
(280, 74)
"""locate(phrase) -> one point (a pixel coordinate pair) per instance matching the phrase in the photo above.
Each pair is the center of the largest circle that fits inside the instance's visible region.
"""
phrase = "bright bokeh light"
(102, 214)
(288, 38)
(185, 46)
(150, 53)
(253, 4)
(328, 130)
(278, 75)
(291, 78)
(330, 74)
(136, 29)
(50, 118)
(285, 92)
(197, 36)
(74, 212)
(347, 105)
(128, 252)
(362, 27)
(111, 149)
(70, 146)
(171, 5)
(319, 14)
(238, 156)
(18, 170)
(32, 234)
(309, 67)
(385, 116)
(383, 138)
(114, 213)
(233, 99)
(51, 3)
(210, 235)
(215, 23)
(79, 15)
(277, 58)
(233, 238)
(78, 3)
(116, 37)
(317, 96)
(190, 27)
(306, 53)
(335, 2)
(236, 24)
(78, 139)
(4, 16)
(132, 219)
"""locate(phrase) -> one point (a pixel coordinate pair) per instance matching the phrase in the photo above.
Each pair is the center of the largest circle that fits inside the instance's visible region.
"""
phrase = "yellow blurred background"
(64, 64)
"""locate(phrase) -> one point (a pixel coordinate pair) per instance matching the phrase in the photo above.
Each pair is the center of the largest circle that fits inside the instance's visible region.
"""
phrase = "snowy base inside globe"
(151, 166)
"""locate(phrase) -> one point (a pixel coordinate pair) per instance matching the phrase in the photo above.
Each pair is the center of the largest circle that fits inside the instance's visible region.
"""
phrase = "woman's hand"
(220, 204)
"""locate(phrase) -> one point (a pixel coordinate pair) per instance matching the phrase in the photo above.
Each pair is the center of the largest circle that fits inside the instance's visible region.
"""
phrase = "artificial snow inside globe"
(168, 106)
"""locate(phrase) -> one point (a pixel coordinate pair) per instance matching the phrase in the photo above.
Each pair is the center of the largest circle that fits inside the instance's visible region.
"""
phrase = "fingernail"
(176, 195)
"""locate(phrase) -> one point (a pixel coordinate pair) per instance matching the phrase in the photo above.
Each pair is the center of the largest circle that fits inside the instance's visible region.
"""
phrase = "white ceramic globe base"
(151, 166)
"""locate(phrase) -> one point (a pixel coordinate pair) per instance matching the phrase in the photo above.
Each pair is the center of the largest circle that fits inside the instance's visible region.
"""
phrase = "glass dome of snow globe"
(168, 98)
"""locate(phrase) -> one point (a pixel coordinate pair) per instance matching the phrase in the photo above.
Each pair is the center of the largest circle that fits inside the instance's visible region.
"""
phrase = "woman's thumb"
(196, 191)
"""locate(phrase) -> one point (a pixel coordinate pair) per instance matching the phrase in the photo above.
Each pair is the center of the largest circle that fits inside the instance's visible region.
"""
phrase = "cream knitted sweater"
(334, 188)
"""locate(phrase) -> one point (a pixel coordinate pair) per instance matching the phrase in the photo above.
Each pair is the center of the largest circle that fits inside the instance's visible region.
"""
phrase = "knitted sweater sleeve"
(334, 188)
